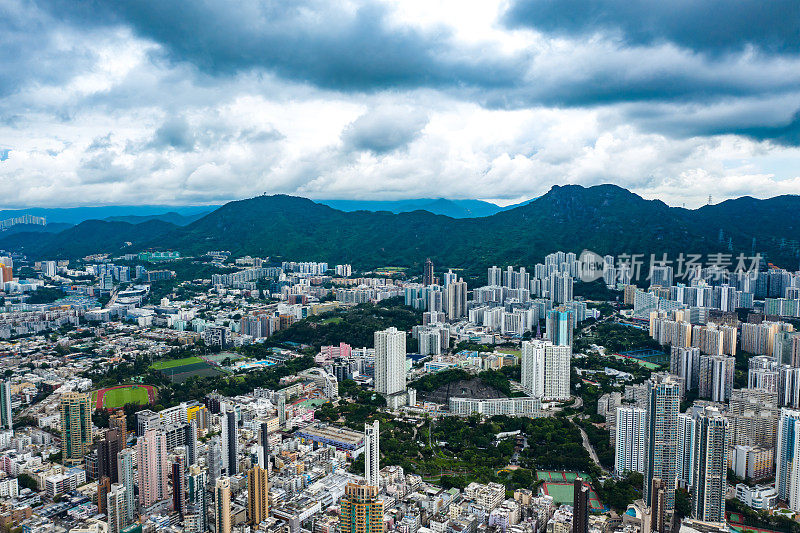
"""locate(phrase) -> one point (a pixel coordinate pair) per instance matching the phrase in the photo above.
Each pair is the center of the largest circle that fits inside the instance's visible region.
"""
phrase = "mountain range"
(76, 215)
(182, 215)
(437, 206)
(606, 219)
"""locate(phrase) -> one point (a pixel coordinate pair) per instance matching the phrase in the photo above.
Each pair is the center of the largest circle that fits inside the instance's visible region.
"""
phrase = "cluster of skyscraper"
(775, 291)
(512, 303)
(673, 449)
(165, 476)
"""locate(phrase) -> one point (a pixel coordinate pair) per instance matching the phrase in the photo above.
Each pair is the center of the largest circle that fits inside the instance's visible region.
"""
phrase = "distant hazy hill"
(34, 228)
(440, 206)
(76, 215)
(604, 218)
(172, 217)
(91, 236)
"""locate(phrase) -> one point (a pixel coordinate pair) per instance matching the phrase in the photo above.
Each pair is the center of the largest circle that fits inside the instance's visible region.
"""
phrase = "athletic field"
(560, 486)
(561, 477)
(119, 396)
(179, 370)
(173, 363)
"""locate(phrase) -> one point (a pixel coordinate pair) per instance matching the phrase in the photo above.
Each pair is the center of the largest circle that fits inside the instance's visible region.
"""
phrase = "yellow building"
(257, 495)
(361, 511)
(199, 414)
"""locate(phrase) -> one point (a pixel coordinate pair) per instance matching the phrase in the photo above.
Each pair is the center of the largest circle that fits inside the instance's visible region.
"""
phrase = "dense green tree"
(27, 482)
(356, 326)
(617, 494)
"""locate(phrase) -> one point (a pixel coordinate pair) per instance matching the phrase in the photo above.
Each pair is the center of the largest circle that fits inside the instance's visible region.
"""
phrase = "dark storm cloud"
(614, 57)
(708, 26)
(357, 49)
(787, 134)
(31, 52)
(306, 40)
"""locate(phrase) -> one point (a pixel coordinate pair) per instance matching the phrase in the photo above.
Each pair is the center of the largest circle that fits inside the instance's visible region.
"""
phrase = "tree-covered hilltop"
(605, 218)
(454, 451)
(354, 325)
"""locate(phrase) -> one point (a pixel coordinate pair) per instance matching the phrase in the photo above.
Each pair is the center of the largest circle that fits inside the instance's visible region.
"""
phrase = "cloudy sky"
(197, 101)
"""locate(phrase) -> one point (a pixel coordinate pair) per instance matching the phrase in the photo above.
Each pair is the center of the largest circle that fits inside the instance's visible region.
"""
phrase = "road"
(588, 446)
(113, 299)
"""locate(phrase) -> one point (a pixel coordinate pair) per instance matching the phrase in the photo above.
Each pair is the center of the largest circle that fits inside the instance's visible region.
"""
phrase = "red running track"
(151, 393)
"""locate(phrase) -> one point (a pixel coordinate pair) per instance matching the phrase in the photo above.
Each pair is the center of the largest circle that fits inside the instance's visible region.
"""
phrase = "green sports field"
(556, 476)
(179, 370)
(645, 364)
(563, 493)
(173, 363)
(114, 398)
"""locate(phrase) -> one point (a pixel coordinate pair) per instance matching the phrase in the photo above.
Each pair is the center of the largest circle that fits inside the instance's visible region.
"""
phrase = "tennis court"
(563, 493)
(561, 477)
(560, 486)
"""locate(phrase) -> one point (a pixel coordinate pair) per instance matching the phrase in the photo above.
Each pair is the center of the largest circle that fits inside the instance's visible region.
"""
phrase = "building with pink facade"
(327, 353)
(153, 467)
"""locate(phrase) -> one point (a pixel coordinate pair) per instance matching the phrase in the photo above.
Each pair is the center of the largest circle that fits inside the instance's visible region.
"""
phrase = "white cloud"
(127, 125)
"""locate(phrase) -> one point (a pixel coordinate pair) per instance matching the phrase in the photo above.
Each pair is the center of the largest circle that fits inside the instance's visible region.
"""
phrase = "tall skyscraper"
(372, 453)
(685, 452)
(282, 409)
(116, 510)
(390, 361)
(427, 273)
(222, 505)
(456, 300)
(787, 458)
(76, 426)
(661, 437)
(196, 482)
(257, 495)
(263, 449)
(118, 421)
(178, 474)
(629, 440)
(190, 442)
(661, 276)
(580, 513)
(153, 468)
(103, 488)
(127, 480)
(495, 276)
(710, 466)
(716, 377)
(230, 441)
(214, 460)
(560, 325)
(360, 510)
(560, 286)
(546, 369)
(658, 506)
(685, 363)
(753, 416)
(6, 420)
(107, 449)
